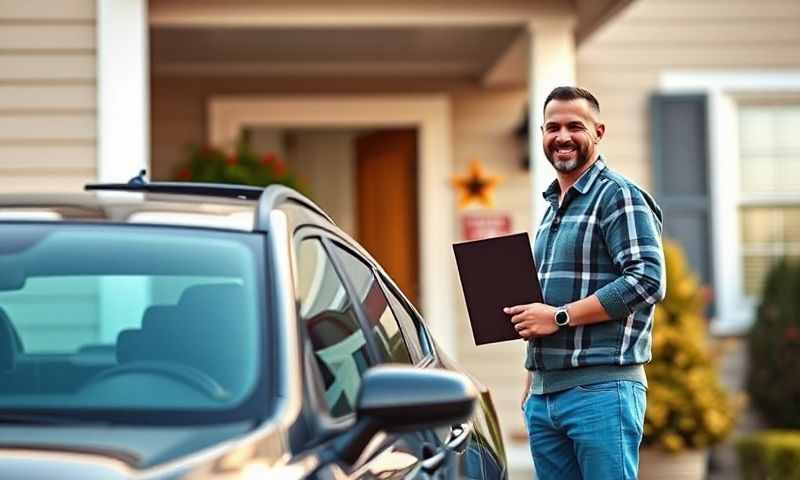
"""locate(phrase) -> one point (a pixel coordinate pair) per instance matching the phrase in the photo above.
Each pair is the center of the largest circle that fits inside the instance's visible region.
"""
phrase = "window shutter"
(680, 175)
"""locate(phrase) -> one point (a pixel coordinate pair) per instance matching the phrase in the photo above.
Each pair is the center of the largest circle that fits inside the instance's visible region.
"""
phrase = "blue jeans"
(587, 432)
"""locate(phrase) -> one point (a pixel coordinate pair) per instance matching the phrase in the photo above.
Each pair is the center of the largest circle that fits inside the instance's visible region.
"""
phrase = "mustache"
(556, 146)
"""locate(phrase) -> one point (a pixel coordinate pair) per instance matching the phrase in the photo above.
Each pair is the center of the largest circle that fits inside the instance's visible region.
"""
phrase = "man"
(600, 263)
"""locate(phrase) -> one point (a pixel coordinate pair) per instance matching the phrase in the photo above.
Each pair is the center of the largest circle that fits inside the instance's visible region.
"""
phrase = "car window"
(408, 324)
(338, 341)
(376, 308)
(99, 315)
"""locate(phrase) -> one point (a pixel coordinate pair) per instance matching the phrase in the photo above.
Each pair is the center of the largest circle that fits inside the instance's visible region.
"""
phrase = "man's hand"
(533, 320)
(528, 380)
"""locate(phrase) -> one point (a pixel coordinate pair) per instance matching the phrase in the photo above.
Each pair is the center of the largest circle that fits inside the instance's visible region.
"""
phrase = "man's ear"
(599, 131)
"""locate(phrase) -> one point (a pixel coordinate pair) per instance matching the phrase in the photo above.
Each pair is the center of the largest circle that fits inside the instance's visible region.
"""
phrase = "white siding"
(621, 63)
(47, 95)
(47, 37)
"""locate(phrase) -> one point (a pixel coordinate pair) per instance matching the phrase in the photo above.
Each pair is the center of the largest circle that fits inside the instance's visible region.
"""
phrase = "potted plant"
(688, 410)
(243, 166)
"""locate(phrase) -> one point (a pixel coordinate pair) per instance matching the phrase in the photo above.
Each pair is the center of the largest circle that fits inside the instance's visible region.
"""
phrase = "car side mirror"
(400, 398)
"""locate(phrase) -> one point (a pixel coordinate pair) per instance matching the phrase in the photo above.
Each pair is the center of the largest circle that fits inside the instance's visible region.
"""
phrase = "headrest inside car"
(130, 346)
(9, 343)
(13, 277)
(157, 316)
(211, 295)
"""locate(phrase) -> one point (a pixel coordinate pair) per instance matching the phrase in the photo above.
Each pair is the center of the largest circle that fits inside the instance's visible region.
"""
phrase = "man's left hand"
(533, 320)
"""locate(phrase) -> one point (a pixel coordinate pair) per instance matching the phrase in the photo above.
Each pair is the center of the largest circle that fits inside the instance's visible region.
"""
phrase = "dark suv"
(171, 330)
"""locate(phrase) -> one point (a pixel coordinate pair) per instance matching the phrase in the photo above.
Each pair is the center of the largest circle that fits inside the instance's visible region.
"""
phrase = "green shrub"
(243, 166)
(770, 455)
(687, 407)
(774, 346)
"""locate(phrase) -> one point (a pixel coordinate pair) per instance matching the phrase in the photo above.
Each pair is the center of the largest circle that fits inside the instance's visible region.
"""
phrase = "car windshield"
(118, 321)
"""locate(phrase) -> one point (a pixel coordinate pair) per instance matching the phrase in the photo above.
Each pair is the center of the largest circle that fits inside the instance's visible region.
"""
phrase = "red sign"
(477, 226)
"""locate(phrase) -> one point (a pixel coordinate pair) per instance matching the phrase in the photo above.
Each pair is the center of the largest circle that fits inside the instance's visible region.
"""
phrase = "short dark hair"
(572, 93)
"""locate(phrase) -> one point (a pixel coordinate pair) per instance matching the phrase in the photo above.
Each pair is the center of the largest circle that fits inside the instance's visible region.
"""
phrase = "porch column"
(123, 138)
(551, 64)
(123, 98)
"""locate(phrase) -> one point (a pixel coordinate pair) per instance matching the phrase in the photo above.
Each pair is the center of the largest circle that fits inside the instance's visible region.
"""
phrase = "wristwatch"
(561, 316)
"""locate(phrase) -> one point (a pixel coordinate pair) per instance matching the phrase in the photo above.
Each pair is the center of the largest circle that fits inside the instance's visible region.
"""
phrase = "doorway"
(386, 185)
(430, 115)
(366, 180)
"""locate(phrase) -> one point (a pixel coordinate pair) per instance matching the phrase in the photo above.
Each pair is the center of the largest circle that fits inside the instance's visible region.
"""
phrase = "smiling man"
(600, 264)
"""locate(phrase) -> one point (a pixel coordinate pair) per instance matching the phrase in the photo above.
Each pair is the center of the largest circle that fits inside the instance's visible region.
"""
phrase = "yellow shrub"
(686, 404)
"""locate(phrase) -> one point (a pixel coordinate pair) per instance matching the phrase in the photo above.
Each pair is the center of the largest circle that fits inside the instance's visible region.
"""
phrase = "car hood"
(55, 451)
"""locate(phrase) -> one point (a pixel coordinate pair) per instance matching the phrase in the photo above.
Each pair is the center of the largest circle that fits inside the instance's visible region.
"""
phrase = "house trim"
(735, 313)
(430, 114)
(123, 95)
(551, 63)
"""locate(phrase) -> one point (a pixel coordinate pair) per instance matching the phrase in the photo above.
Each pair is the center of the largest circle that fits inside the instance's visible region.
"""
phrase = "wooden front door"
(386, 179)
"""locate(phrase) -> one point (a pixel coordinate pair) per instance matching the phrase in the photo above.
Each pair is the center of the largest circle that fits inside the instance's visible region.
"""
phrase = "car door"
(335, 323)
(384, 333)
(474, 452)
(448, 452)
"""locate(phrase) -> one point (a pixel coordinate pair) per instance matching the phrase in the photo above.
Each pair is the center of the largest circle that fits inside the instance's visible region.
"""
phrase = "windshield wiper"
(42, 419)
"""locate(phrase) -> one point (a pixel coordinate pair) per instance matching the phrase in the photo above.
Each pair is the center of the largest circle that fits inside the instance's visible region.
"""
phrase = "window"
(332, 325)
(409, 325)
(376, 308)
(88, 307)
(769, 208)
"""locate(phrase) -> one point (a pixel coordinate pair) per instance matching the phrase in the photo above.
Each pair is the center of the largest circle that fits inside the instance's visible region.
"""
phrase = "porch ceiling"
(481, 40)
(457, 52)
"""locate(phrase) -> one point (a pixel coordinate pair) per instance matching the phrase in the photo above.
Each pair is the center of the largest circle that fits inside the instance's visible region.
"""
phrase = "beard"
(567, 166)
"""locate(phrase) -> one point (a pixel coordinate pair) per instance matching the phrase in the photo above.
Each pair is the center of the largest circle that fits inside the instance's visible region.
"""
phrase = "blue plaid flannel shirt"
(604, 239)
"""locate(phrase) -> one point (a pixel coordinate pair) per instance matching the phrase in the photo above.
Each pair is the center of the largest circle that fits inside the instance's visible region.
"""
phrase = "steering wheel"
(185, 374)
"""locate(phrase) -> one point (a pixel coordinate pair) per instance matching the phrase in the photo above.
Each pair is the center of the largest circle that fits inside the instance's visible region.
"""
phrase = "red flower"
(792, 333)
(279, 168)
(185, 174)
(231, 160)
(268, 159)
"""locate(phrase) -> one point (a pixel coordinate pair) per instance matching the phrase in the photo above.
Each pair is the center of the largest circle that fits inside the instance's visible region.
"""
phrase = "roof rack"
(206, 189)
(182, 188)
(268, 198)
(139, 184)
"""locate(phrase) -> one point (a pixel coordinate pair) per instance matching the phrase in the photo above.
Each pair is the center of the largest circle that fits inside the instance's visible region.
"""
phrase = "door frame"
(430, 115)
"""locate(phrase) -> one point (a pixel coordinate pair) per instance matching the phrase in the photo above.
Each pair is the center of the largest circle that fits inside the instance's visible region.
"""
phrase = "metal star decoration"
(475, 186)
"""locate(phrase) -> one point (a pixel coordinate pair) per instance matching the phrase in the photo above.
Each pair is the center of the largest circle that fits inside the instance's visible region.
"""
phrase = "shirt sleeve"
(631, 227)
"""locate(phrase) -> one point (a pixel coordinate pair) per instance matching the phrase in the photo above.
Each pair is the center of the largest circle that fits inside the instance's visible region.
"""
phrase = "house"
(703, 105)
(389, 100)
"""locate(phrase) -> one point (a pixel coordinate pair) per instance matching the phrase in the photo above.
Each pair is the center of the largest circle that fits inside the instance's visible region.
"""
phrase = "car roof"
(162, 203)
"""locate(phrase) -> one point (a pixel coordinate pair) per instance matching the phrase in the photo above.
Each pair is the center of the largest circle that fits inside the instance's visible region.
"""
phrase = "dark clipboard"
(495, 273)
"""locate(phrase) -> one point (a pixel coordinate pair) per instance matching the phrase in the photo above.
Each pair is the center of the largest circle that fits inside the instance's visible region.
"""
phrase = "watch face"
(561, 318)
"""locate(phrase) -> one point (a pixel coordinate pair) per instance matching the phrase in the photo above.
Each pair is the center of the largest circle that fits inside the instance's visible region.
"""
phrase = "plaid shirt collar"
(582, 185)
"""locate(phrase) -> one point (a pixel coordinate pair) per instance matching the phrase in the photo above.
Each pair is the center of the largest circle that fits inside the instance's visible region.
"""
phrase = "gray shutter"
(680, 175)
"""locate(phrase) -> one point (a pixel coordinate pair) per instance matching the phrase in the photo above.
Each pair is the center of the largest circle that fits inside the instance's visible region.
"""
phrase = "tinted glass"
(376, 308)
(338, 341)
(409, 326)
(98, 318)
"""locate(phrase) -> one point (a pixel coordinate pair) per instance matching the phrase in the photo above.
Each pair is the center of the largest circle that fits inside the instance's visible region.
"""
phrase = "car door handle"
(458, 437)
(457, 442)
(432, 463)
